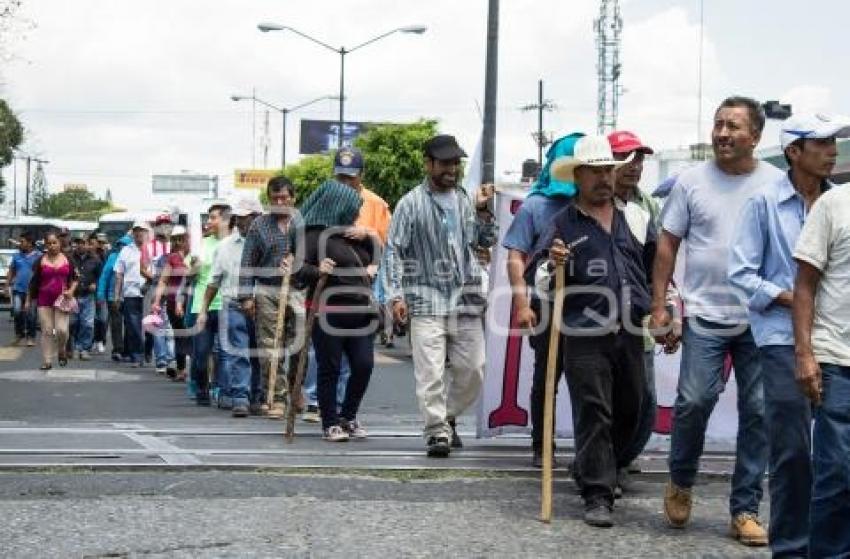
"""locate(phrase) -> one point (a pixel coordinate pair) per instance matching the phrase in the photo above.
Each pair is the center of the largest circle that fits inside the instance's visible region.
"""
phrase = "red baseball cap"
(623, 141)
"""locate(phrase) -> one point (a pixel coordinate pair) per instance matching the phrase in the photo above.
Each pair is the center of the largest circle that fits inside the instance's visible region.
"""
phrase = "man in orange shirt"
(374, 215)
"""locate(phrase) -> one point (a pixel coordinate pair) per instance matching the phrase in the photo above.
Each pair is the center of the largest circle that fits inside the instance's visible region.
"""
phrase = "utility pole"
(488, 145)
(540, 137)
(27, 206)
(608, 27)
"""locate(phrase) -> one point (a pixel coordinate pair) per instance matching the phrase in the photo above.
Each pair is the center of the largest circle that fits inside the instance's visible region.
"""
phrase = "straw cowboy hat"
(593, 151)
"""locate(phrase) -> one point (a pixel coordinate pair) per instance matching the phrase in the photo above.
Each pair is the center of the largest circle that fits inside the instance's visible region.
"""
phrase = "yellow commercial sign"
(254, 179)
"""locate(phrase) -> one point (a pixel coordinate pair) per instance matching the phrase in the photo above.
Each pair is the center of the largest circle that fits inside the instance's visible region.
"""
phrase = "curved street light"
(283, 112)
(265, 27)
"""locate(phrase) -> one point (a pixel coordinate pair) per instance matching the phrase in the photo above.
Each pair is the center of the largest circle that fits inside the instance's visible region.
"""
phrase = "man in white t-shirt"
(132, 271)
(821, 312)
(701, 209)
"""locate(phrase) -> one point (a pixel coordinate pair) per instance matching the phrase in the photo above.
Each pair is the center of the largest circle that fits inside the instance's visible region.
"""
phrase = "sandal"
(46, 366)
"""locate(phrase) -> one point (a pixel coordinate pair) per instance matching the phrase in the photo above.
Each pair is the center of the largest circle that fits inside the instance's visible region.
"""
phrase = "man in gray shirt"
(701, 209)
(435, 279)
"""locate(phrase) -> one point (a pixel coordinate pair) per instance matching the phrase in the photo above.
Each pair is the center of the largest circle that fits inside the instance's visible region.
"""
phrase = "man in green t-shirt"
(218, 227)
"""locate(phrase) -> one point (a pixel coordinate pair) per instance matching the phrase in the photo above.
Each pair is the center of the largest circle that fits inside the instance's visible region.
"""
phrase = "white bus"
(11, 228)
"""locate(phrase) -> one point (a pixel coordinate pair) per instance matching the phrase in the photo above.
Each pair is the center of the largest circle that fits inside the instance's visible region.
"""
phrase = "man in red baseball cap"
(629, 194)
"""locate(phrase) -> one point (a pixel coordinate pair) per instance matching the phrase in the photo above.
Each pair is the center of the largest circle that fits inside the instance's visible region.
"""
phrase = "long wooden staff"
(277, 345)
(298, 381)
(552, 367)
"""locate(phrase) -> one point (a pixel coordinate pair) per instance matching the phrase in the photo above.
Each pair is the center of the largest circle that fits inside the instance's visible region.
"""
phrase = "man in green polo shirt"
(218, 226)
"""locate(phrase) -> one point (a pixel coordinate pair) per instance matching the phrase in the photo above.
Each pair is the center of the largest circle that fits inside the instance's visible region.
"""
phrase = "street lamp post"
(341, 51)
(283, 113)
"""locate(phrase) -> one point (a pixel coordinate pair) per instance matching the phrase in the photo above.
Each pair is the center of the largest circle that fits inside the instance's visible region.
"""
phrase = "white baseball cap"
(178, 231)
(814, 126)
(245, 206)
(142, 225)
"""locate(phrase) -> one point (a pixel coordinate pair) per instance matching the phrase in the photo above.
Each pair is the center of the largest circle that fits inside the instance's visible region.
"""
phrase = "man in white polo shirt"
(821, 312)
(132, 271)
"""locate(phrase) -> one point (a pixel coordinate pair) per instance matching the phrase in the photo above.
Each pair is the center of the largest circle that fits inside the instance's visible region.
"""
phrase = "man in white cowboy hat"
(606, 298)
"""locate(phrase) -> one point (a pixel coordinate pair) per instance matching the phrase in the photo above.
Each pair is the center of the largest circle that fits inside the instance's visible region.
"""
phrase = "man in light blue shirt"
(761, 264)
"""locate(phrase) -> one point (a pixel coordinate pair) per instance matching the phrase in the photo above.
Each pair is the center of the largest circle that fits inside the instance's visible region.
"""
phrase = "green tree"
(74, 204)
(11, 136)
(393, 155)
(306, 175)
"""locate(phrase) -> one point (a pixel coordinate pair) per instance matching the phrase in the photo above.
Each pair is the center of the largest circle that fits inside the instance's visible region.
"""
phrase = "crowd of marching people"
(271, 296)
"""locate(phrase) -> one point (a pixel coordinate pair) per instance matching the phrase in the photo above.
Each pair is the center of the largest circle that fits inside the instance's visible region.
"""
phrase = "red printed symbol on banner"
(509, 412)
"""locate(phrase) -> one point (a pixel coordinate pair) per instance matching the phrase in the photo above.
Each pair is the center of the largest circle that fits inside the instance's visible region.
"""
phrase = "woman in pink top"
(53, 276)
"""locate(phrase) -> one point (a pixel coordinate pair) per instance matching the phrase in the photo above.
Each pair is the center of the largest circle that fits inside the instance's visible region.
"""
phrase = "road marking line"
(172, 455)
(10, 353)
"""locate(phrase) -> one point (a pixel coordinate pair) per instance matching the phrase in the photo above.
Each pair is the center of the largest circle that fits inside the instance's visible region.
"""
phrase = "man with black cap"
(435, 282)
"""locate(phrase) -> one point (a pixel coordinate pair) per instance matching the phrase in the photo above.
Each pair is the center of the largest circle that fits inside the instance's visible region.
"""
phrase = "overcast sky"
(112, 91)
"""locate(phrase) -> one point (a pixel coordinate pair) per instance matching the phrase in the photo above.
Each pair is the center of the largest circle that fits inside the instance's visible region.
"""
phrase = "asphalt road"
(228, 514)
(98, 460)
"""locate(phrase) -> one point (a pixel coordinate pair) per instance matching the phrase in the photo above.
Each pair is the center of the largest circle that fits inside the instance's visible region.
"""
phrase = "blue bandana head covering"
(332, 204)
(546, 185)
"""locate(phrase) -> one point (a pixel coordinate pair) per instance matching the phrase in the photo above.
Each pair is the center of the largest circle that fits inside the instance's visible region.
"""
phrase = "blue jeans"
(163, 343)
(788, 415)
(134, 343)
(82, 323)
(705, 346)
(236, 355)
(312, 374)
(24, 322)
(203, 344)
(830, 510)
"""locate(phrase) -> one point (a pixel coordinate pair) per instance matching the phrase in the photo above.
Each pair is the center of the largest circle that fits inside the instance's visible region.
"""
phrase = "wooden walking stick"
(298, 381)
(552, 367)
(277, 344)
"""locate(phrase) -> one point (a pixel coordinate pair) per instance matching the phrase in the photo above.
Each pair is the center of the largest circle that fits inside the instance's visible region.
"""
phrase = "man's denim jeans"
(82, 323)
(203, 344)
(705, 347)
(236, 349)
(25, 322)
(312, 376)
(163, 343)
(788, 416)
(830, 510)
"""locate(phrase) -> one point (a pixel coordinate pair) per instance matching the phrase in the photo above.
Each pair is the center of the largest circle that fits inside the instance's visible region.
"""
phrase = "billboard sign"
(321, 136)
(252, 179)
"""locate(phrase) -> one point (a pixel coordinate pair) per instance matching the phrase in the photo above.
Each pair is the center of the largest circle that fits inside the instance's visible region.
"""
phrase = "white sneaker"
(335, 434)
(99, 348)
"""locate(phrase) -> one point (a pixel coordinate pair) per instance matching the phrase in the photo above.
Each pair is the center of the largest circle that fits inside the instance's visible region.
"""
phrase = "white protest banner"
(504, 403)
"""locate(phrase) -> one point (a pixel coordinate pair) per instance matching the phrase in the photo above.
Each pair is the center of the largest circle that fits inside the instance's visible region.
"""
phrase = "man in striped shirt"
(436, 282)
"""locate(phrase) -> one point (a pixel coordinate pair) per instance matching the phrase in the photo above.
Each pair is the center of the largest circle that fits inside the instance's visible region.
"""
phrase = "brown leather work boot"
(677, 505)
(747, 529)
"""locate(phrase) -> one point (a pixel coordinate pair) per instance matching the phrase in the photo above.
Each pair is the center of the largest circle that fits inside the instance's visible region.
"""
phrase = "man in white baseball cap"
(762, 266)
(814, 127)
(243, 372)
